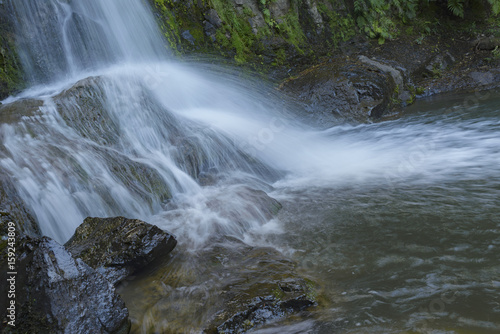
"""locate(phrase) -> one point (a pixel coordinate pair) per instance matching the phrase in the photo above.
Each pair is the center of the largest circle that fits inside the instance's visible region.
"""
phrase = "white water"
(180, 123)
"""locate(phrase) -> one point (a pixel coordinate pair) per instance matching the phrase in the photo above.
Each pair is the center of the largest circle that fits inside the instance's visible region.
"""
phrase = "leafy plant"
(377, 18)
(496, 53)
(456, 7)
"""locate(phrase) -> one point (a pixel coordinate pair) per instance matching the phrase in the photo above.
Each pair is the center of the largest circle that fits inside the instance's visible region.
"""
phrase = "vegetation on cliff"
(278, 32)
(11, 78)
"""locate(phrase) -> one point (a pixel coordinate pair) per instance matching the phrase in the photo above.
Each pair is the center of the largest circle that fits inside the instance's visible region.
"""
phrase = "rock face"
(56, 293)
(117, 247)
(344, 90)
(253, 30)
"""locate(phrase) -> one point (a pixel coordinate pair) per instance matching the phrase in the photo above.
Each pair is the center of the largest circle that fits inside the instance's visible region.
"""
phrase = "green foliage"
(11, 78)
(341, 27)
(495, 6)
(456, 7)
(378, 18)
(496, 53)
(381, 18)
(236, 31)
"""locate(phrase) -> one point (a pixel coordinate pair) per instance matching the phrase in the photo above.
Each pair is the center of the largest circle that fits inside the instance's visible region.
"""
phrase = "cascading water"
(60, 39)
(113, 126)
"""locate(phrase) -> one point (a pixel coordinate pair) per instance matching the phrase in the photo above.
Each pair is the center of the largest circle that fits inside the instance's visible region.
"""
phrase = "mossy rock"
(117, 247)
(11, 74)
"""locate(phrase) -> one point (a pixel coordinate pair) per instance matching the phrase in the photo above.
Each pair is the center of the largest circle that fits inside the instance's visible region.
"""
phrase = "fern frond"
(456, 7)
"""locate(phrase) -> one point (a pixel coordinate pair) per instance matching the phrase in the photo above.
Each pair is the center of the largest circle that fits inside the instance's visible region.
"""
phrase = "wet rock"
(343, 90)
(396, 75)
(212, 17)
(226, 287)
(188, 37)
(12, 209)
(56, 293)
(265, 288)
(15, 111)
(314, 14)
(484, 78)
(437, 64)
(210, 30)
(117, 247)
(83, 107)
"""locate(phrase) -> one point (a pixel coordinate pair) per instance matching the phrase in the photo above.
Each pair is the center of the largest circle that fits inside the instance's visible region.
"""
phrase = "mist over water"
(120, 128)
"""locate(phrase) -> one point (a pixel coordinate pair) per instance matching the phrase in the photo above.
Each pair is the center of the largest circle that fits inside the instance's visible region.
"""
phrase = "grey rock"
(15, 111)
(313, 12)
(209, 30)
(483, 78)
(117, 247)
(396, 75)
(279, 8)
(188, 37)
(488, 43)
(267, 290)
(213, 17)
(57, 293)
(437, 64)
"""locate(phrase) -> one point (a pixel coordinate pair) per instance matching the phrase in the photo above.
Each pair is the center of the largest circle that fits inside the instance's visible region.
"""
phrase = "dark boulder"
(117, 247)
(343, 90)
(56, 293)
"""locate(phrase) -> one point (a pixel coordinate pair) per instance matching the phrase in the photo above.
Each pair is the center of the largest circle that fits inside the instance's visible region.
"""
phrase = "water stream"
(398, 221)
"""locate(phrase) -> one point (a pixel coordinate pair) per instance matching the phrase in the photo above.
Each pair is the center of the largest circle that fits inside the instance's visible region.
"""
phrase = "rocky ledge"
(366, 82)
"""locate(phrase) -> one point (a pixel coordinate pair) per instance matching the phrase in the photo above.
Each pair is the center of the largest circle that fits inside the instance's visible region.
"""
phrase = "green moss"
(290, 30)
(340, 27)
(237, 27)
(11, 77)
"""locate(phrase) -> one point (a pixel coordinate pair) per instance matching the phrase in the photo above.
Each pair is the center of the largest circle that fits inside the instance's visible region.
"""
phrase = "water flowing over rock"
(83, 35)
(117, 247)
(56, 293)
(267, 289)
(12, 209)
(226, 287)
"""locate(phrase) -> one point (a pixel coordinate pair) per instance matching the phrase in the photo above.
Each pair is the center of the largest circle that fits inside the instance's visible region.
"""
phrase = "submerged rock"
(117, 247)
(226, 287)
(266, 288)
(56, 293)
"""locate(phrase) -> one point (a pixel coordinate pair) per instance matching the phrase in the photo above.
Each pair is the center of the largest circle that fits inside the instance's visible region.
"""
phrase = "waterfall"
(60, 38)
(112, 125)
(116, 127)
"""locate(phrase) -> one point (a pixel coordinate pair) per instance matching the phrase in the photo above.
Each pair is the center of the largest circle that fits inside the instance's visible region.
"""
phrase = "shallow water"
(416, 252)
(410, 251)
